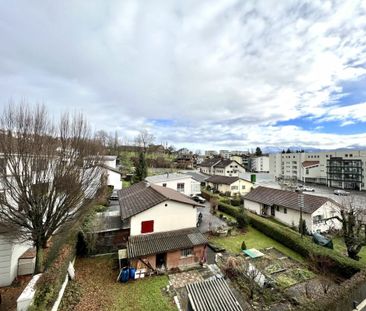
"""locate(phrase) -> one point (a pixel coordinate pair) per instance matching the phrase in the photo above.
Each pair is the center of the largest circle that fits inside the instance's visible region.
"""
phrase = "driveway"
(209, 221)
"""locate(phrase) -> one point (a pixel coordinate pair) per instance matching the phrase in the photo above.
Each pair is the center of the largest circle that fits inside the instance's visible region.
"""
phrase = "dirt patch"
(10, 294)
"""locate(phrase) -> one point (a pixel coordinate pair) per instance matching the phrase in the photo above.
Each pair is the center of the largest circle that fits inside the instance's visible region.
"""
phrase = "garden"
(95, 288)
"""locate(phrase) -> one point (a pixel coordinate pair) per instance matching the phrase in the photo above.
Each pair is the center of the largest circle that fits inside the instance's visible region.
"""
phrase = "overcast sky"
(201, 74)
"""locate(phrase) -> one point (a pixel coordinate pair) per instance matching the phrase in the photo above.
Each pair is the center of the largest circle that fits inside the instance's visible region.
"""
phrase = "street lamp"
(300, 202)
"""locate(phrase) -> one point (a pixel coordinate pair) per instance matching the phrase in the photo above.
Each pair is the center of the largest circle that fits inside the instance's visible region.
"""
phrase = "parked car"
(301, 188)
(198, 199)
(114, 196)
(341, 192)
(308, 189)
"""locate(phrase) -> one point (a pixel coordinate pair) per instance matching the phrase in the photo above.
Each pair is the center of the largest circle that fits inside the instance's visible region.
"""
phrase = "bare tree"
(103, 137)
(144, 139)
(353, 219)
(50, 173)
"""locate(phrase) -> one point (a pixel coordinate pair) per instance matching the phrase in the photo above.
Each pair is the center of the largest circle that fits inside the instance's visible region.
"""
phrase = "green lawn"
(95, 288)
(253, 239)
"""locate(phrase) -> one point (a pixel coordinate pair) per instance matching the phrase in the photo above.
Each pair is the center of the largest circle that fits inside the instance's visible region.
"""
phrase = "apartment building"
(259, 164)
(341, 169)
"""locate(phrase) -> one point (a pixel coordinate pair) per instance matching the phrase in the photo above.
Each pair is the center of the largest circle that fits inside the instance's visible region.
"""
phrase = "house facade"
(284, 206)
(113, 175)
(219, 167)
(162, 224)
(10, 252)
(230, 185)
(180, 182)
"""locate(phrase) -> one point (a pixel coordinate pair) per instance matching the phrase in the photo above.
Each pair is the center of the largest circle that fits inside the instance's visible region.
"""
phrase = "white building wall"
(9, 255)
(191, 186)
(252, 206)
(174, 216)
(114, 179)
(260, 164)
(326, 211)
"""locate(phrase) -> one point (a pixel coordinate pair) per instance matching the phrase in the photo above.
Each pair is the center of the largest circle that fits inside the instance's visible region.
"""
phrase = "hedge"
(50, 283)
(340, 298)
(234, 212)
(339, 264)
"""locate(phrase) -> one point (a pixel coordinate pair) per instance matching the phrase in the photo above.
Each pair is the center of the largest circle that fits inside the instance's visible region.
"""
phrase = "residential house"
(185, 161)
(211, 153)
(180, 182)
(217, 166)
(197, 176)
(113, 175)
(225, 154)
(284, 206)
(11, 251)
(229, 185)
(237, 158)
(163, 231)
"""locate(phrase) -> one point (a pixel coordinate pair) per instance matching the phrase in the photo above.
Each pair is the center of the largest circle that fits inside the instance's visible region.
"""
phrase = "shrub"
(243, 246)
(340, 265)
(234, 212)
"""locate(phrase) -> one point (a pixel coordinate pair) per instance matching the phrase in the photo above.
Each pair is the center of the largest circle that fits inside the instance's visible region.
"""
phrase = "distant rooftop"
(166, 177)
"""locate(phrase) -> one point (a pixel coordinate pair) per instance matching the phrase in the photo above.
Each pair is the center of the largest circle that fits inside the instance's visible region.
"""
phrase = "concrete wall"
(252, 206)
(260, 164)
(167, 216)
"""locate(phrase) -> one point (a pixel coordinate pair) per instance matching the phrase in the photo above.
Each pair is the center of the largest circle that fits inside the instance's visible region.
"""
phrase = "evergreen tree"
(141, 168)
(258, 152)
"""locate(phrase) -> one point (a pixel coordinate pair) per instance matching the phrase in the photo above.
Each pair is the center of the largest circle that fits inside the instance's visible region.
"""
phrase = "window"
(277, 208)
(180, 187)
(243, 187)
(285, 210)
(317, 219)
(147, 226)
(164, 184)
(234, 187)
(186, 252)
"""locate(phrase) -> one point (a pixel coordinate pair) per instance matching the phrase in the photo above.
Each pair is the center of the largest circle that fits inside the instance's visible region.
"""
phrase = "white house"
(216, 166)
(162, 225)
(10, 252)
(232, 185)
(180, 182)
(112, 173)
(284, 206)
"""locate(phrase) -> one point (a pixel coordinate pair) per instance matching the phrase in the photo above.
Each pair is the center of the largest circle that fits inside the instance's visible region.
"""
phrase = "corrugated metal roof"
(289, 199)
(149, 244)
(212, 295)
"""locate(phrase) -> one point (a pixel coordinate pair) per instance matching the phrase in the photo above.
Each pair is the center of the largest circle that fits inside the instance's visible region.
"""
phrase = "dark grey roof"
(289, 199)
(226, 180)
(212, 295)
(111, 169)
(224, 163)
(210, 162)
(197, 176)
(142, 196)
(149, 244)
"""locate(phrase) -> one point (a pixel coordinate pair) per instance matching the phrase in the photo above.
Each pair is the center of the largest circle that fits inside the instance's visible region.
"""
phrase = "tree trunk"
(39, 259)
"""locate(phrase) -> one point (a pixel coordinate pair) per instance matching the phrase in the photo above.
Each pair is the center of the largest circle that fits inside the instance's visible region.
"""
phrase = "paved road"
(208, 218)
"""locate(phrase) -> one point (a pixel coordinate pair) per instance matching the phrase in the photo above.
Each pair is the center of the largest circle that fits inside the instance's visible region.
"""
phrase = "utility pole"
(300, 201)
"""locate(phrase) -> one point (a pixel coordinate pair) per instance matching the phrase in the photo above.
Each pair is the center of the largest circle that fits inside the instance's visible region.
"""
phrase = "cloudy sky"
(203, 74)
